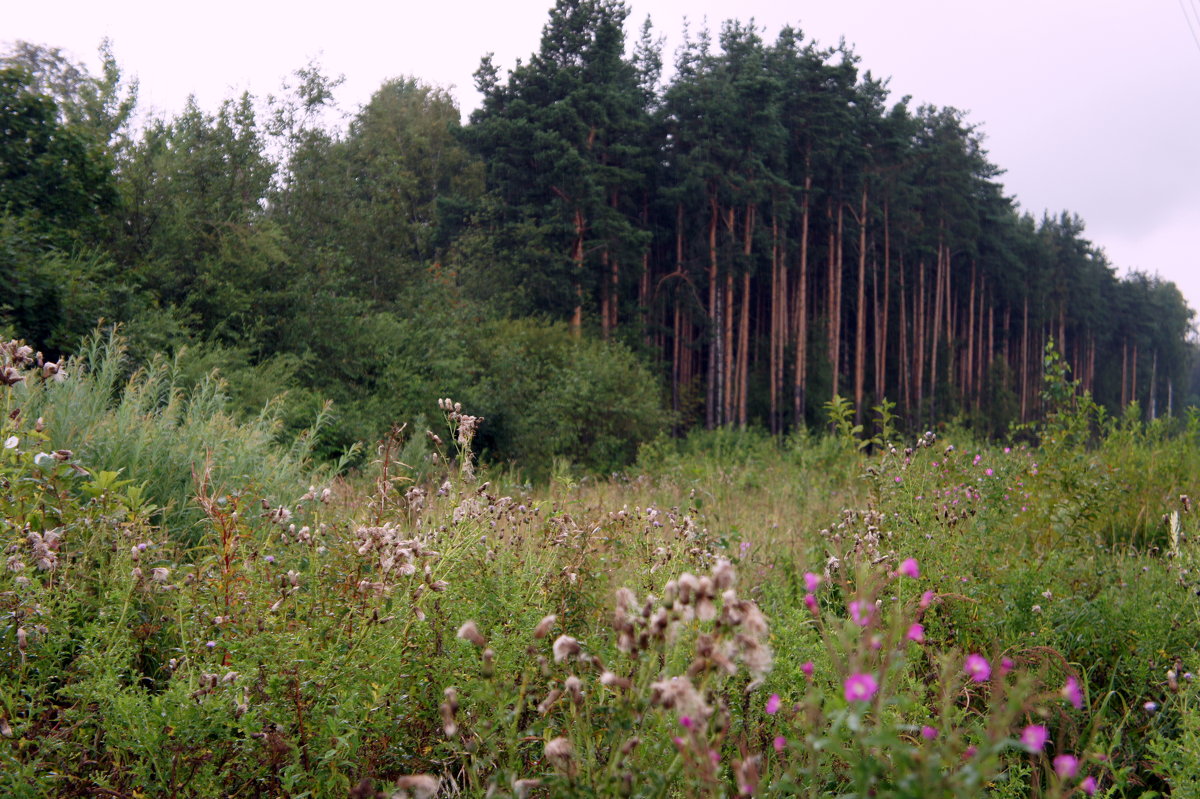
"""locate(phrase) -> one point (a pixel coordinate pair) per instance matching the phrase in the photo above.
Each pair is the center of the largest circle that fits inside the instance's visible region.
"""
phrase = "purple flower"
(916, 632)
(1072, 693)
(1006, 665)
(860, 687)
(810, 601)
(1088, 785)
(780, 743)
(807, 668)
(812, 582)
(909, 568)
(1066, 766)
(988, 472)
(927, 599)
(861, 611)
(773, 704)
(686, 722)
(977, 668)
(1150, 707)
(1034, 737)
(929, 733)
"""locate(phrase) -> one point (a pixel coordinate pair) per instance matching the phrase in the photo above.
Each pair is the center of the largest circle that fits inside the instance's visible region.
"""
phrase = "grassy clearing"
(189, 609)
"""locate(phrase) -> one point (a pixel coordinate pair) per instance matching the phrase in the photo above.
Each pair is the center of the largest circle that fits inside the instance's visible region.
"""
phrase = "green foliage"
(546, 394)
(159, 432)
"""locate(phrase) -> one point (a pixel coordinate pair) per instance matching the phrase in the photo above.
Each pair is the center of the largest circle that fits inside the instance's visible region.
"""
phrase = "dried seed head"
(449, 708)
(546, 704)
(564, 647)
(469, 632)
(574, 687)
(522, 787)
(418, 786)
(561, 755)
(544, 626)
(723, 575)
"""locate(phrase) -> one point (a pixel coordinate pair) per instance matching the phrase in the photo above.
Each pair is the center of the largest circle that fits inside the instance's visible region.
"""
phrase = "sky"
(1090, 107)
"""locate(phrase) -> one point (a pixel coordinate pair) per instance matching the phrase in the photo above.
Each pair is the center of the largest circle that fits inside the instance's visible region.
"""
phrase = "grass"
(187, 610)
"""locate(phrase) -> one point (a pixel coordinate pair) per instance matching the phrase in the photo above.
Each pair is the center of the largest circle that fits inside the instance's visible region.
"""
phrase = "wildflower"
(929, 733)
(988, 472)
(909, 568)
(469, 632)
(807, 668)
(916, 632)
(977, 668)
(1034, 737)
(1066, 766)
(564, 647)
(773, 704)
(810, 601)
(11, 442)
(160, 574)
(812, 582)
(927, 599)
(860, 687)
(1088, 785)
(1150, 707)
(1072, 693)
(780, 743)
(861, 611)
(686, 722)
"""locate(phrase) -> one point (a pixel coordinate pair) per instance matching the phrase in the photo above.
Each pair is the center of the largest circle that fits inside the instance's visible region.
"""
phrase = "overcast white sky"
(1091, 107)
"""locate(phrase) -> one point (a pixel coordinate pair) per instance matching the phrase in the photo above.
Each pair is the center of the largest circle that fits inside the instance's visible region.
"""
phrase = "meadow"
(190, 606)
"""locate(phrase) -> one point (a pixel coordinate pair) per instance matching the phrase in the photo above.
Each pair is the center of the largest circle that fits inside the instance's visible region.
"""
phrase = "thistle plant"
(673, 674)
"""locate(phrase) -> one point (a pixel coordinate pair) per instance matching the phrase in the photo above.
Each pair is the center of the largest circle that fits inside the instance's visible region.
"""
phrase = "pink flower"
(988, 472)
(773, 704)
(686, 722)
(1006, 665)
(812, 582)
(1034, 737)
(926, 599)
(780, 743)
(977, 668)
(1065, 766)
(807, 668)
(916, 632)
(860, 687)
(909, 568)
(1088, 785)
(1072, 693)
(861, 611)
(810, 601)
(929, 733)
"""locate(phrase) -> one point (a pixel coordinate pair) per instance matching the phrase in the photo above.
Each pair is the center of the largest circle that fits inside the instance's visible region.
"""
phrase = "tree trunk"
(860, 328)
(712, 392)
(577, 259)
(799, 376)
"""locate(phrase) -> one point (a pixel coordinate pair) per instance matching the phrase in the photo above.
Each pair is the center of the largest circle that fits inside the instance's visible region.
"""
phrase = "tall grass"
(154, 430)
